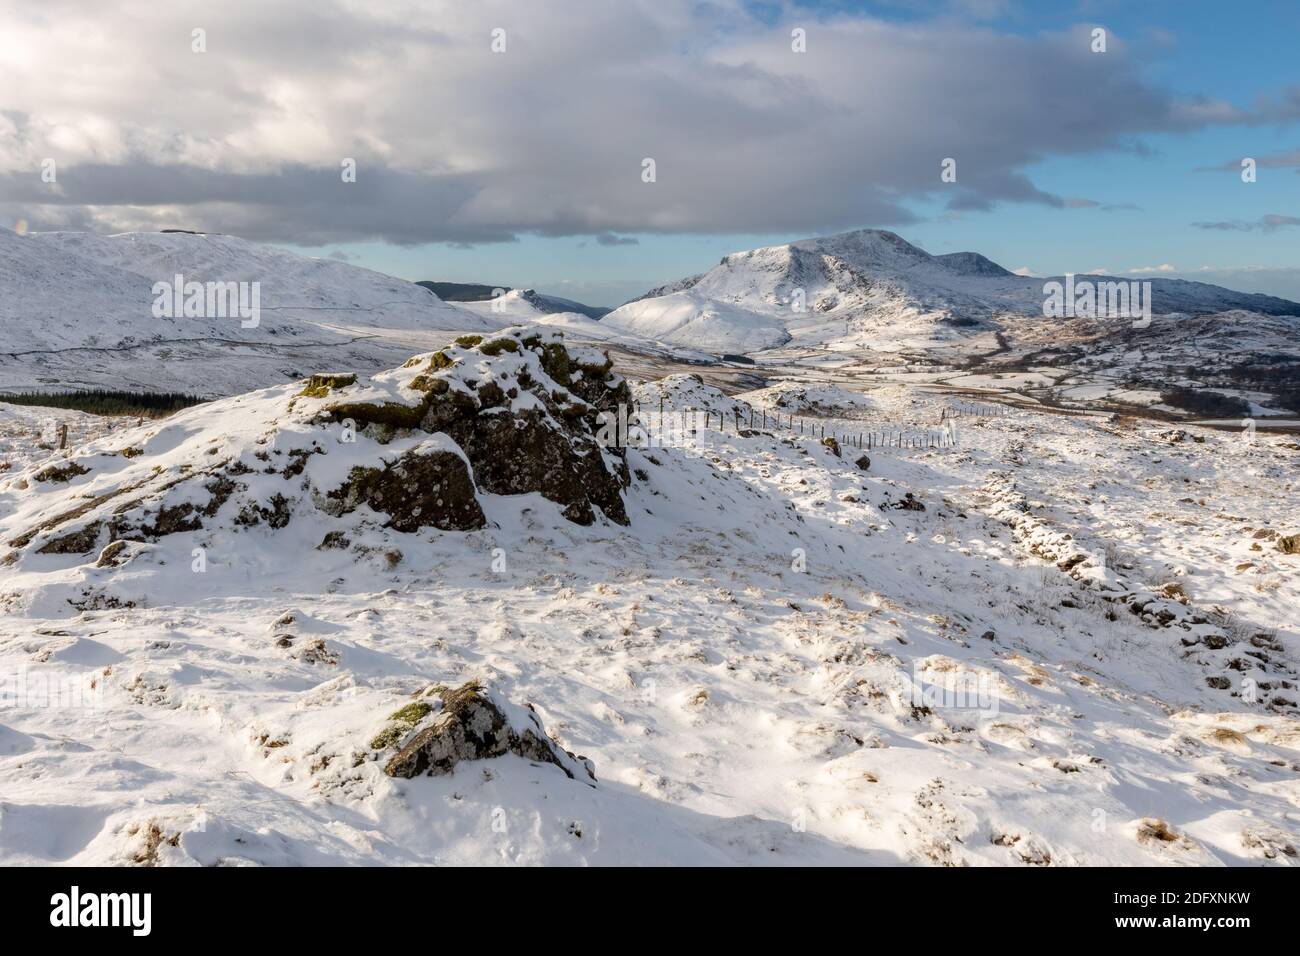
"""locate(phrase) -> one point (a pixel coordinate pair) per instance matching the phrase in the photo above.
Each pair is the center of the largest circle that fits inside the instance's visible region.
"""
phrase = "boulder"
(429, 485)
(475, 724)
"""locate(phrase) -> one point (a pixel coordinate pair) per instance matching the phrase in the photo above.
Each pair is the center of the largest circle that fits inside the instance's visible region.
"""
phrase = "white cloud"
(456, 143)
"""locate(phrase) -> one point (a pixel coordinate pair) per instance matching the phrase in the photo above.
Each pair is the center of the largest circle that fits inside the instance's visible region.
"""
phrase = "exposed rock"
(81, 541)
(334, 541)
(831, 443)
(517, 413)
(60, 473)
(320, 385)
(863, 462)
(1289, 544)
(543, 441)
(908, 503)
(429, 485)
(111, 556)
(476, 725)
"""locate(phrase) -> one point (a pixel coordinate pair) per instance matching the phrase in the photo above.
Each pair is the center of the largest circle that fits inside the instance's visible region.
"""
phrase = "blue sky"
(1222, 51)
(522, 166)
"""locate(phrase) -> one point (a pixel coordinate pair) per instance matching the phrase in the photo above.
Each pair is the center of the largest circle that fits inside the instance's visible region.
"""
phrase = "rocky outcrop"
(428, 486)
(477, 725)
(523, 408)
(1289, 544)
(516, 413)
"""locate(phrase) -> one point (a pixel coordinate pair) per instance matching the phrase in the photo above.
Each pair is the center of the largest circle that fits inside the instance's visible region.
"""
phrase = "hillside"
(78, 311)
(1064, 641)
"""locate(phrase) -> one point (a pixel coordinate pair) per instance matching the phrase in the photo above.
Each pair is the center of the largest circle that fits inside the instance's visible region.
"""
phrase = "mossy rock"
(418, 490)
(429, 384)
(469, 341)
(412, 713)
(556, 363)
(393, 414)
(404, 720)
(520, 453)
(440, 360)
(497, 346)
(320, 385)
(474, 726)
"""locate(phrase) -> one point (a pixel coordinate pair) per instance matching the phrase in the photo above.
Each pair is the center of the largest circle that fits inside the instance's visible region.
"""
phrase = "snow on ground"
(29, 434)
(781, 660)
(804, 398)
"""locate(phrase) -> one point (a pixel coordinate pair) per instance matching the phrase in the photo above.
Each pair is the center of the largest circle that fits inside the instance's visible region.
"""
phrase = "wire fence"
(665, 423)
(971, 410)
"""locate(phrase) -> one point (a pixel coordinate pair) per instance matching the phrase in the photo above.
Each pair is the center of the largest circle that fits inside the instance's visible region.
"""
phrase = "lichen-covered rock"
(524, 408)
(477, 725)
(428, 486)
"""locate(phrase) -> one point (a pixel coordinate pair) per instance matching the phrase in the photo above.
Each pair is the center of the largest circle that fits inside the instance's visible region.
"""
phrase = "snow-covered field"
(1066, 640)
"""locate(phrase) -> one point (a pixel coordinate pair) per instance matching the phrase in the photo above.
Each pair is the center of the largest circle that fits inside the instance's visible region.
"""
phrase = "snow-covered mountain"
(542, 303)
(77, 311)
(869, 286)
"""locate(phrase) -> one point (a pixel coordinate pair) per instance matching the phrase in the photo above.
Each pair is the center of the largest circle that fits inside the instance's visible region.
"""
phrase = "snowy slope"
(294, 289)
(77, 312)
(521, 305)
(868, 287)
(55, 298)
(758, 665)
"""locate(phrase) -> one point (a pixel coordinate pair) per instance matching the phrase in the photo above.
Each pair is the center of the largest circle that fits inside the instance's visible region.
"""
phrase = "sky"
(506, 142)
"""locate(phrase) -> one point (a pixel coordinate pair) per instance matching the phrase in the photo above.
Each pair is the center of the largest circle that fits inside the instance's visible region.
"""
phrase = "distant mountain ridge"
(862, 285)
(541, 302)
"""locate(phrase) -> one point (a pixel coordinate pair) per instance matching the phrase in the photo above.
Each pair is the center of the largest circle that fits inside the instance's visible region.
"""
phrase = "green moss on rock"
(320, 385)
(403, 720)
(497, 346)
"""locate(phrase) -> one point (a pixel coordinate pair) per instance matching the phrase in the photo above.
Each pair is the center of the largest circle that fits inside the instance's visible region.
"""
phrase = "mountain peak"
(972, 264)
